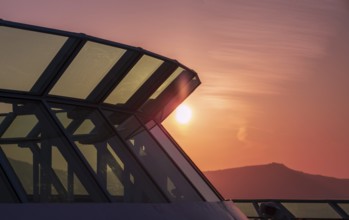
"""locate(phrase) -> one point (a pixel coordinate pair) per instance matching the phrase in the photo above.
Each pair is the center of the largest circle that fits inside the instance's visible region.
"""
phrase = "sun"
(183, 114)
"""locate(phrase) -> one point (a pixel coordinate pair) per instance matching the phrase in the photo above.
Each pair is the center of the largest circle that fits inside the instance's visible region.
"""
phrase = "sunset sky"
(275, 79)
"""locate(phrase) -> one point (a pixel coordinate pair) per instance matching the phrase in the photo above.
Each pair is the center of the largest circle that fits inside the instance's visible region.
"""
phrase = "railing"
(294, 209)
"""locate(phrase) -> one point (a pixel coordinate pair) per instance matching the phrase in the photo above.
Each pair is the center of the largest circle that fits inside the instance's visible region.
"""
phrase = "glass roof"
(90, 66)
(168, 81)
(72, 125)
(24, 56)
(53, 64)
(134, 79)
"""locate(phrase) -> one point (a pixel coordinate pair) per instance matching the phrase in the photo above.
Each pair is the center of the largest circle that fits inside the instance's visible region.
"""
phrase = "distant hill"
(270, 181)
(276, 181)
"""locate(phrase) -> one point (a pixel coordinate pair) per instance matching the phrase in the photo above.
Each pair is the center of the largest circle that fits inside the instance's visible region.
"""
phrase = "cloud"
(242, 134)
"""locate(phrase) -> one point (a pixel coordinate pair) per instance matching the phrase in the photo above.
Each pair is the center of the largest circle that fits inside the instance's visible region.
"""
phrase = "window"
(39, 159)
(111, 162)
(25, 55)
(183, 164)
(154, 159)
(88, 68)
(134, 79)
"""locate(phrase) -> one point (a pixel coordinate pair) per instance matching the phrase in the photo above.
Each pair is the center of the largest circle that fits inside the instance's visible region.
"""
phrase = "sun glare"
(183, 114)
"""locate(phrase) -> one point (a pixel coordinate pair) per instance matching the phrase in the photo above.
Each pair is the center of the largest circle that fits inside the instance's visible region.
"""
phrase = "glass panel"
(21, 160)
(5, 108)
(247, 208)
(114, 185)
(179, 97)
(154, 159)
(134, 79)
(20, 126)
(345, 207)
(25, 55)
(89, 152)
(170, 98)
(88, 68)
(115, 168)
(311, 210)
(167, 82)
(39, 157)
(183, 164)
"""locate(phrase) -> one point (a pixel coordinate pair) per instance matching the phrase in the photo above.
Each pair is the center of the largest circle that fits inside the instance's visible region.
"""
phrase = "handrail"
(293, 208)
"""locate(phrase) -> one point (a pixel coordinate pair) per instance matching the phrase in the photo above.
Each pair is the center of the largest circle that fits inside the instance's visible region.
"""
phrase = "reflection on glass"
(311, 210)
(114, 167)
(247, 208)
(25, 55)
(134, 79)
(154, 159)
(88, 68)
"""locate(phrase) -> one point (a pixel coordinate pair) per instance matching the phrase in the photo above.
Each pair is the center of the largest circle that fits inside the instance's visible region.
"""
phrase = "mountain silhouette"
(276, 181)
(270, 181)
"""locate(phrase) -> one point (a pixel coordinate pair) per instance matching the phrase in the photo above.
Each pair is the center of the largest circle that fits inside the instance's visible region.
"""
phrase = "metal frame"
(102, 89)
(39, 94)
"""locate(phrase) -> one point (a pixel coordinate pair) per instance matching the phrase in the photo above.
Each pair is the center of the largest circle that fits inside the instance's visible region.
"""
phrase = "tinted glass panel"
(183, 164)
(311, 210)
(39, 158)
(25, 55)
(134, 79)
(112, 163)
(87, 69)
(154, 159)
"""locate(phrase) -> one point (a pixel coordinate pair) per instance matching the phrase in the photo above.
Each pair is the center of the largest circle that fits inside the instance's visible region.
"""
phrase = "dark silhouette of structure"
(80, 131)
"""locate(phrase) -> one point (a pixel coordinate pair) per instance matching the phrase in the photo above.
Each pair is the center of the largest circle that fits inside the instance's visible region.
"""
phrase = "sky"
(275, 82)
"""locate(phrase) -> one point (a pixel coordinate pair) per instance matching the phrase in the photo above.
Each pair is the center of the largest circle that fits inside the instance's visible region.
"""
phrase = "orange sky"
(274, 74)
